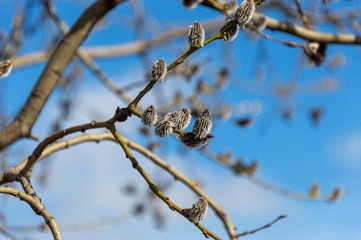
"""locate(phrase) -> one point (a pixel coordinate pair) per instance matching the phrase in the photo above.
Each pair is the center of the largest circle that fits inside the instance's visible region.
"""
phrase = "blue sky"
(84, 182)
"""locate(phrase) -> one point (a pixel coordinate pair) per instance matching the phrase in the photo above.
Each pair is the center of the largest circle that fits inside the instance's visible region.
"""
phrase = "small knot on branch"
(122, 114)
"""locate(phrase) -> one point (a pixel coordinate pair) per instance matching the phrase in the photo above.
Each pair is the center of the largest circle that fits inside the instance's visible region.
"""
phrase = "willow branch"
(24, 168)
(37, 207)
(133, 105)
(75, 227)
(119, 50)
(6, 234)
(152, 185)
(85, 58)
(271, 187)
(310, 35)
(61, 56)
(192, 185)
(127, 49)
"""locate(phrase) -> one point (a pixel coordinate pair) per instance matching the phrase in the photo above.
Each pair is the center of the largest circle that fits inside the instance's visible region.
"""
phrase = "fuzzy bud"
(203, 125)
(196, 35)
(189, 140)
(170, 117)
(159, 70)
(231, 33)
(165, 125)
(5, 68)
(149, 116)
(245, 12)
(182, 119)
(164, 128)
(198, 211)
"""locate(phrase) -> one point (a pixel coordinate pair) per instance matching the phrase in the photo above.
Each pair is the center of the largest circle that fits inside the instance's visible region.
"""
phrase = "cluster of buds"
(5, 68)
(168, 123)
(197, 212)
(179, 121)
(242, 17)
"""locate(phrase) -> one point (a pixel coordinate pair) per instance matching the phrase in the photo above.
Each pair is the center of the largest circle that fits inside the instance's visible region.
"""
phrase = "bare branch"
(152, 185)
(5, 233)
(24, 168)
(37, 207)
(63, 53)
(261, 228)
(85, 57)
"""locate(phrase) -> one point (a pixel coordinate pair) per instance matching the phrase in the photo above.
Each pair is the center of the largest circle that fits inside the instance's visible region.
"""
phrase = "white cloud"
(346, 149)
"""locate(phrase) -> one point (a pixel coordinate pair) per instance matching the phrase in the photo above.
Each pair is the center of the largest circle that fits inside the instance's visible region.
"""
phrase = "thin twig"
(5, 233)
(261, 228)
(266, 185)
(302, 15)
(74, 227)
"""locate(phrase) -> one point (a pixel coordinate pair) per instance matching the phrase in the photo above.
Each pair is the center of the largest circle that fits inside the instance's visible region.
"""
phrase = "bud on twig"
(245, 12)
(163, 128)
(231, 33)
(189, 140)
(183, 118)
(149, 116)
(203, 125)
(165, 125)
(196, 35)
(5, 68)
(159, 70)
(198, 211)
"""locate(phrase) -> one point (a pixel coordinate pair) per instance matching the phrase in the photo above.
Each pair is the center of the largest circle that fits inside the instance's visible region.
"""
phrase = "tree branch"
(131, 48)
(85, 58)
(152, 185)
(261, 228)
(38, 208)
(61, 56)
